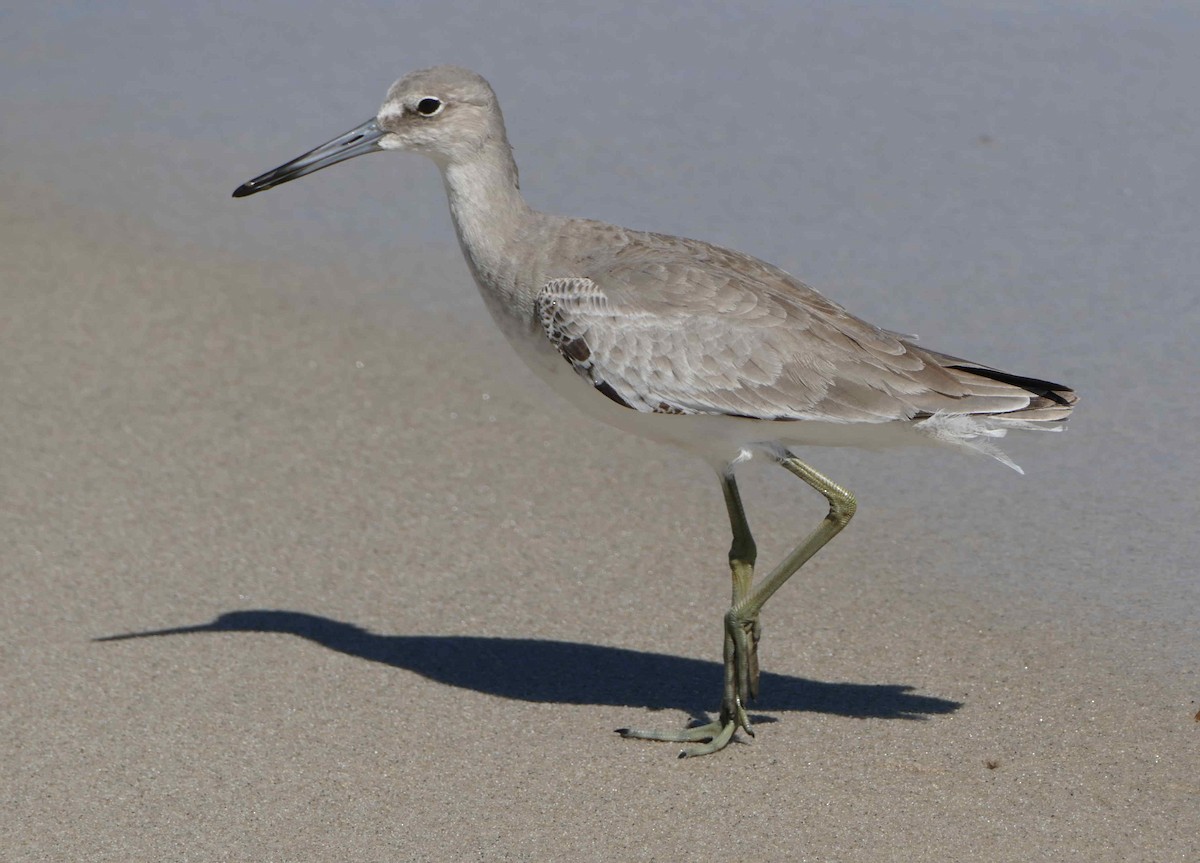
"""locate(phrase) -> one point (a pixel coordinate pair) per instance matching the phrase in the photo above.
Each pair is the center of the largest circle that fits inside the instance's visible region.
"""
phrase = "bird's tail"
(1048, 407)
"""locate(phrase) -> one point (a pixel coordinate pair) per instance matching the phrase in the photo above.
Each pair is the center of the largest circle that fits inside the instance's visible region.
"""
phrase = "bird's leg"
(741, 621)
(742, 628)
(742, 554)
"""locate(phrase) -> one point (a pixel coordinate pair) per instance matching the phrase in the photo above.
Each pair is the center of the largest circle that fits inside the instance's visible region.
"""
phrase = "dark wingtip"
(1057, 393)
(244, 190)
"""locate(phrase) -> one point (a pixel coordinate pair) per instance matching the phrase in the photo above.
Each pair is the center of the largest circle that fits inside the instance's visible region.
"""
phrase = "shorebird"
(686, 343)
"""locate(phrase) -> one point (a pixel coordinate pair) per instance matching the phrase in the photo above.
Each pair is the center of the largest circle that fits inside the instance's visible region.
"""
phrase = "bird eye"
(429, 106)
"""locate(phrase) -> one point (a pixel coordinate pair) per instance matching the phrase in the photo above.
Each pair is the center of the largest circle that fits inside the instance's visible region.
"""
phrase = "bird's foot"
(741, 684)
(709, 738)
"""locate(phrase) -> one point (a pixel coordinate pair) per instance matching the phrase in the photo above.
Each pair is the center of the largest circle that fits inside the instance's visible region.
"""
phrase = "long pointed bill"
(356, 142)
(151, 633)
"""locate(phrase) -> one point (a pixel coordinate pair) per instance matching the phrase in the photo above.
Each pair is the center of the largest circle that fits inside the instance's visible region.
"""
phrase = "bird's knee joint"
(842, 507)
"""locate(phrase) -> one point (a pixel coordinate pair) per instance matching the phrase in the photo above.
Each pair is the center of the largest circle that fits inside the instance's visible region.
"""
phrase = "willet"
(686, 343)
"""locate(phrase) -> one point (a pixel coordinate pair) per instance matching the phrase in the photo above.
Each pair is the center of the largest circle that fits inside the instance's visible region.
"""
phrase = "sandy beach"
(403, 596)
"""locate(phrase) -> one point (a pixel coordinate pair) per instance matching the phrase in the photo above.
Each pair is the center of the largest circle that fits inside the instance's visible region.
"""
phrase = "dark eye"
(429, 106)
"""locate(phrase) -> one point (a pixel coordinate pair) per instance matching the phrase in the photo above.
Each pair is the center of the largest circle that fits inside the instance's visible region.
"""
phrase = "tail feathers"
(975, 432)
(1049, 406)
(1014, 396)
(1051, 403)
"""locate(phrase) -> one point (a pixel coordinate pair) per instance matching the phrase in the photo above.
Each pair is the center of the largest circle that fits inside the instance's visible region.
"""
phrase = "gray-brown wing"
(696, 329)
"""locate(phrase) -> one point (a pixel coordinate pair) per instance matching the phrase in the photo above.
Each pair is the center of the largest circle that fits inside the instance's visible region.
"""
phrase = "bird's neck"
(490, 215)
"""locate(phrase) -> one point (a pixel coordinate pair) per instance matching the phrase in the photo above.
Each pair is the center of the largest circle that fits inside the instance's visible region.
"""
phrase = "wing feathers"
(708, 331)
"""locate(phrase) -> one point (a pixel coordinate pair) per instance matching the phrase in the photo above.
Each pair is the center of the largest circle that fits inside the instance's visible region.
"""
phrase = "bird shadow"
(565, 672)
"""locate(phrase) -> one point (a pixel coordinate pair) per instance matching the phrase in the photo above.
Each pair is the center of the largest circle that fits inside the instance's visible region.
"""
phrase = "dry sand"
(427, 595)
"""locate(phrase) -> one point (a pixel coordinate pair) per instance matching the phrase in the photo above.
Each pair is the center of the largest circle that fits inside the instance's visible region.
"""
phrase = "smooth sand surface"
(425, 599)
(411, 596)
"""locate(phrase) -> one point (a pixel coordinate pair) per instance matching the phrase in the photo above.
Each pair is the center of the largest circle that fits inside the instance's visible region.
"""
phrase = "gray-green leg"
(742, 628)
(742, 554)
